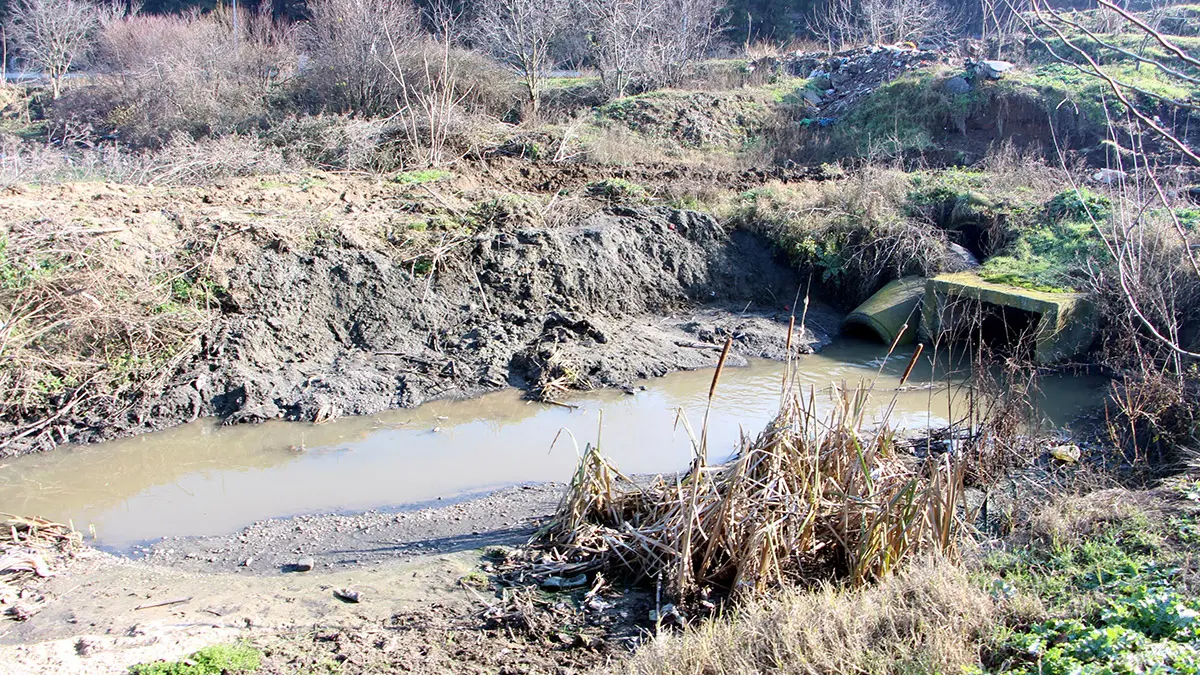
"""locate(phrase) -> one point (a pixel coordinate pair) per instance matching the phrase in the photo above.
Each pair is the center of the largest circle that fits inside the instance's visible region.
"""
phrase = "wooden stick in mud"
(696, 345)
(164, 603)
(560, 404)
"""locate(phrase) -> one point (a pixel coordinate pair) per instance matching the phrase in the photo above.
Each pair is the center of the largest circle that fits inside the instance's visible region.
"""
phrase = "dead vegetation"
(853, 234)
(814, 497)
(30, 549)
(927, 617)
(87, 318)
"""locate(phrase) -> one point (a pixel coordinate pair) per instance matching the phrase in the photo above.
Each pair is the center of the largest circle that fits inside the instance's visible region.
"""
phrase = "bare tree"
(351, 43)
(685, 31)
(846, 22)
(522, 33)
(998, 22)
(54, 35)
(445, 20)
(619, 32)
(1151, 303)
(648, 43)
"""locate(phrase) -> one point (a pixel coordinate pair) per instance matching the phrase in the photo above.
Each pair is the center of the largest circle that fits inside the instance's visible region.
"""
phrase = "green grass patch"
(553, 83)
(1057, 82)
(1051, 253)
(422, 176)
(618, 190)
(1116, 600)
(214, 660)
(903, 116)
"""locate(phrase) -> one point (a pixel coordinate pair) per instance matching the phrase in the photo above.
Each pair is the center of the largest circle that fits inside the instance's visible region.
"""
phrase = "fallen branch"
(164, 603)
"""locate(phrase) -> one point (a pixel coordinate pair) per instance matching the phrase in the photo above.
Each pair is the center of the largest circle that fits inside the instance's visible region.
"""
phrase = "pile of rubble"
(840, 80)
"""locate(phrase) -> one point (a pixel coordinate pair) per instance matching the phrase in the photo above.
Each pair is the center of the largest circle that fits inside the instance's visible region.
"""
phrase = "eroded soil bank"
(310, 326)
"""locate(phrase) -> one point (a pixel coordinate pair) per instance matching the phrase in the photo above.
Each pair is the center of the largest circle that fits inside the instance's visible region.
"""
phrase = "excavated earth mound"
(626, 293)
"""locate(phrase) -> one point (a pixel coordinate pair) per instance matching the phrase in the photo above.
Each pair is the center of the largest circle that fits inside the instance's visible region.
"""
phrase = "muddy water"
(203, 478)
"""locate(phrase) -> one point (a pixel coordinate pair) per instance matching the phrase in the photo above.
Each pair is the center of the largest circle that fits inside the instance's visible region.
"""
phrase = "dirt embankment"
(311, 326)
(340, 331)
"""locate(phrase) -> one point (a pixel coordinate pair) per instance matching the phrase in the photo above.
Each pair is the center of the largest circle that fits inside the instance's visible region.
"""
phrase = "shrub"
(189, 74)
(853, 235)
(338, 142)
(353, 44)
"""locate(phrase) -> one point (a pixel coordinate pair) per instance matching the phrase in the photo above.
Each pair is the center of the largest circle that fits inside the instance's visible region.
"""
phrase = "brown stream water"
(203, 478)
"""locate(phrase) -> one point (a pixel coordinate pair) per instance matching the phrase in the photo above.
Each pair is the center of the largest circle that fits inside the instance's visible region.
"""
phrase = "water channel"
(204, 478)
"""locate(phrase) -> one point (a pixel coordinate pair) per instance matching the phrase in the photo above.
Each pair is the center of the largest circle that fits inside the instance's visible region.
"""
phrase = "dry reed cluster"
(30, 548)
(813, 497)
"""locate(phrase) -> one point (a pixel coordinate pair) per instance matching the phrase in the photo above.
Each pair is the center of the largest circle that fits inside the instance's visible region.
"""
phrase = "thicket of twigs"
(84, 323)
(814, 496)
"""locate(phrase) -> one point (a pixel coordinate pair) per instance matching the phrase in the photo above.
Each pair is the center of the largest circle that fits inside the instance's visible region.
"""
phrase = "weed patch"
(1053, 253)
(618, 190)
(854, 236)
(422, 176)
(215, 660)
(1111, 573)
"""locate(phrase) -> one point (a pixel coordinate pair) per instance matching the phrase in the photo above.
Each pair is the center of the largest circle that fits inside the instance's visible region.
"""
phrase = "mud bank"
(507, 517)
(417, 574)
(336, 330)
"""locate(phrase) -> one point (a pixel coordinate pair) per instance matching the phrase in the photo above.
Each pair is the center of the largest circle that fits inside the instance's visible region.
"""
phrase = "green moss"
(214, 660)
(937, 188)
(1052, 253)
(422, 176)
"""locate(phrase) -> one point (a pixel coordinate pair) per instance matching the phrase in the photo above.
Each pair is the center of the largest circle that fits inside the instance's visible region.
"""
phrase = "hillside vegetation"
(256, 218)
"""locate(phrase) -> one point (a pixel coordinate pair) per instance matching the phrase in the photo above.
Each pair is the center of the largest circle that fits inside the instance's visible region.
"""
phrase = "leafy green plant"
(1080, 205)
(214, 660)
(1116, 601)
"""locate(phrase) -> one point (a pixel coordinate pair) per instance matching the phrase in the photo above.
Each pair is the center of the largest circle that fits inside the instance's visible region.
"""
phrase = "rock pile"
(840, 80)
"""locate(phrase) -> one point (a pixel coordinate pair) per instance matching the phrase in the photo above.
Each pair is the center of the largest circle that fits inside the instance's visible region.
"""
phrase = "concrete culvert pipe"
(893, 311)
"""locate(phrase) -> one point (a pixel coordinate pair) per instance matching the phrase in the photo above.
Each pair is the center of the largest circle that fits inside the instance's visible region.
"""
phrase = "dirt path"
(92, 624)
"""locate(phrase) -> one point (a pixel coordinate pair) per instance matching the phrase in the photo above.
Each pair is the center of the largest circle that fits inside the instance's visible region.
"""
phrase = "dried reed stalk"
(814, 496)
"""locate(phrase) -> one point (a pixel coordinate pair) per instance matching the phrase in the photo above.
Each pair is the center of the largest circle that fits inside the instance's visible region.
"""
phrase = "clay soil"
(349, 295)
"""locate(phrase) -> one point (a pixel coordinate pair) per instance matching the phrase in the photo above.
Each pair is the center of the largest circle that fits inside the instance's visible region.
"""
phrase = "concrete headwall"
(1066, 325)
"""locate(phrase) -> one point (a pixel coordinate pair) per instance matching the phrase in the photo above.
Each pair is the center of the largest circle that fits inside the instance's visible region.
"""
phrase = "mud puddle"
(205, 479)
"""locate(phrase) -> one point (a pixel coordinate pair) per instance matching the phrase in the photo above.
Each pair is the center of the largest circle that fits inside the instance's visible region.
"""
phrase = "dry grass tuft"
(88, 320)
(927, 618)
(811, 498)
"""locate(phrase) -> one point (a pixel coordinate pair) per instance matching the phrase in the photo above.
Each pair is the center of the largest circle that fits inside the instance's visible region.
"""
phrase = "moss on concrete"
(1066, 327)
